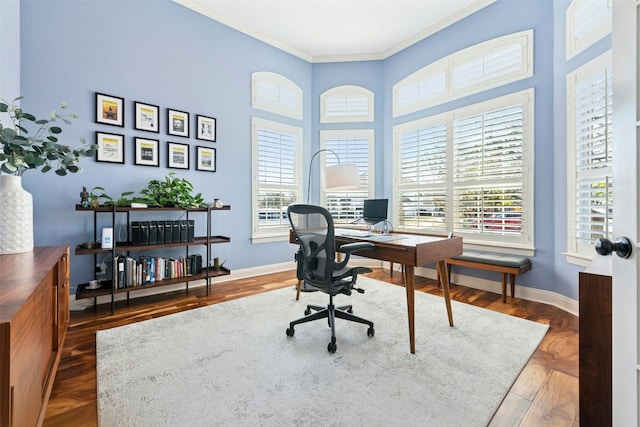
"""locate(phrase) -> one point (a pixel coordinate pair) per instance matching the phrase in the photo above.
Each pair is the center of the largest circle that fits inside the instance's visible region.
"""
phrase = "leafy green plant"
(123, 200)
(171, 192)
(20, 152)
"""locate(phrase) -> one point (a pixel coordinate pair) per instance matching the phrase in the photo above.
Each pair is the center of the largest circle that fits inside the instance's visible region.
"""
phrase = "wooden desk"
(413, 250)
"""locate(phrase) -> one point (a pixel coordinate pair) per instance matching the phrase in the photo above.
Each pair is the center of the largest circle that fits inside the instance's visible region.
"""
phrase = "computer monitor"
(375, 210)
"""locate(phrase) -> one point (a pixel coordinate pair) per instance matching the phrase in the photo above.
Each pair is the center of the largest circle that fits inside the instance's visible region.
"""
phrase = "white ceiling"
(337, 30)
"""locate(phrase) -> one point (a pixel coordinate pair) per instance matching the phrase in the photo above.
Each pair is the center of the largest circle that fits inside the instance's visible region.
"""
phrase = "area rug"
(231, 364)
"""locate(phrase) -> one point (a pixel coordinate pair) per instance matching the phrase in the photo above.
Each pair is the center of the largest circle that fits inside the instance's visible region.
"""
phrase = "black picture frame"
(109, 110)
(110, 147)
(146, 152)
(177, 155)
(146, 117)
(206, 158)
(206, 128)
(177, 123)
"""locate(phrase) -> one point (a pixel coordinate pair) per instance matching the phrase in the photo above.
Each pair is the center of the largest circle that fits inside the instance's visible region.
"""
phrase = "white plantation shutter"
(487, 164)
(483, 66)
(346, 104)
(422, 173)
(587, 22)
(277, 94)
(277, 178)
(422, 89)
(468, 171)
(502, 59)
(352, 147)
(590, 132)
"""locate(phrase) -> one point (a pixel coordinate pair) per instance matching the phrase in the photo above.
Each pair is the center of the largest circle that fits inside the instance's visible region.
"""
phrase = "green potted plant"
(171, 192)
(20, 151)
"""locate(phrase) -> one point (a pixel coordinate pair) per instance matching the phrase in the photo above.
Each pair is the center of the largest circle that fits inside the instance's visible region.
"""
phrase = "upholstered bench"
(512, 265)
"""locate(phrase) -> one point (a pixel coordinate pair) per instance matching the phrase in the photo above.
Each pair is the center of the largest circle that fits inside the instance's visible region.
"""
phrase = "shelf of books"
(135, 266)
(106, 287)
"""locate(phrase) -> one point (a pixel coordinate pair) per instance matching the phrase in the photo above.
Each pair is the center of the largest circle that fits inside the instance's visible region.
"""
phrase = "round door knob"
(622, 247)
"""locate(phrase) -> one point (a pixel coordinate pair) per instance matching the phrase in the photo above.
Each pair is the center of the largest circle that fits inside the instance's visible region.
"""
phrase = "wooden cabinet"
(34, 315)
(130, 247)
(595, 362)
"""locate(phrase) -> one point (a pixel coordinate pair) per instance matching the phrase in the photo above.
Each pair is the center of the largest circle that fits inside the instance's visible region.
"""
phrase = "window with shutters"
(590, 156)
(587, 22)
(276, 94)
(483, 66)
(346, 104)
(351, 147)
(469, 171)
(276, 180)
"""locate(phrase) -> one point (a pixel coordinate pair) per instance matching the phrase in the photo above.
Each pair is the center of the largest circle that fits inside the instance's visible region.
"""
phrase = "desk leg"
(444, 276)
(298, 289)
(409, 284)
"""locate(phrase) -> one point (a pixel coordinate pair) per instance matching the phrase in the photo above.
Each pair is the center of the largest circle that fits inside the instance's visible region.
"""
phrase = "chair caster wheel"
(371, 332)
(290, 332)
(307, 312)
(332, 347)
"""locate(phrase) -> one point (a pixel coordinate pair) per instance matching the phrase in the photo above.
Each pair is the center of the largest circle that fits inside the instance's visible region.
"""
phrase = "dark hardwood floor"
(545, 393)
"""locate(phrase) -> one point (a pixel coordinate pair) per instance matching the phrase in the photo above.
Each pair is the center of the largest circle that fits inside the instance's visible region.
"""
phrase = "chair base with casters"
(331, 312)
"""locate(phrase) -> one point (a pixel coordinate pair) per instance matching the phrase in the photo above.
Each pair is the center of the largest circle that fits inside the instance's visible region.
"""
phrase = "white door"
(625, 201)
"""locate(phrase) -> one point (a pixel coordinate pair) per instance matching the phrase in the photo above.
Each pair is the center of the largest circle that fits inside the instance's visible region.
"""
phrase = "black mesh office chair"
(317, 267)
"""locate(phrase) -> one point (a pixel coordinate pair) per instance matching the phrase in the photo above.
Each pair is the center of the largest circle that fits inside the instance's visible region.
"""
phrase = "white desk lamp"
(337, 177)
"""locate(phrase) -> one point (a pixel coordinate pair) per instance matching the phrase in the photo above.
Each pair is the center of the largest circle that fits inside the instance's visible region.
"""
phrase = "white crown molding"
(435, 28)
(199, 8)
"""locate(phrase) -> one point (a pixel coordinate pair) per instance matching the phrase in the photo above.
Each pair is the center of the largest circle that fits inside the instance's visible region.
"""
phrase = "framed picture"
(205, 128)
(205, 159)
(146, 152)
(146, 117)
(177, 155)
(178, 123)
(109, 110)
(110, 147)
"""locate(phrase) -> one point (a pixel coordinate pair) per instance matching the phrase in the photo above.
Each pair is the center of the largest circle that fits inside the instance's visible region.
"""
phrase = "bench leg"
(512, 282)
(513, 285)
(504, 287)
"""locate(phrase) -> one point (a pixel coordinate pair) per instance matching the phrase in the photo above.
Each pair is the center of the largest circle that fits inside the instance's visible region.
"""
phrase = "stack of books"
(132, 272)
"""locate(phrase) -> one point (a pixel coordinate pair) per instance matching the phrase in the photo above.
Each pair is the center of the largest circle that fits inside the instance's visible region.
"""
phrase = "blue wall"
(162, 53)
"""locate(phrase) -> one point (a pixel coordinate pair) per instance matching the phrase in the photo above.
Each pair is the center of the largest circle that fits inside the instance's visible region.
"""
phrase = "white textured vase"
(16, 216)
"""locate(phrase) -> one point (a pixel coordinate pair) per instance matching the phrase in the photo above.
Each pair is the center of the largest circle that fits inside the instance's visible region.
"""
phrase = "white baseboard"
(532, 294)
(547, 297)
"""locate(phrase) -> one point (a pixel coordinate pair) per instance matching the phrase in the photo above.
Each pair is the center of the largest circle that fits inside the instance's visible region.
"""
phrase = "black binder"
(144, 232)
(168, 231)
(191, 230)
(184, 231)
(135, 233)
(153, 232)
(176, 231)
(160, 232)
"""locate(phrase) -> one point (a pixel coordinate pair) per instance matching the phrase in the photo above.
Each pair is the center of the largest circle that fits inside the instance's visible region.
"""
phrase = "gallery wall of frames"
(146, 151)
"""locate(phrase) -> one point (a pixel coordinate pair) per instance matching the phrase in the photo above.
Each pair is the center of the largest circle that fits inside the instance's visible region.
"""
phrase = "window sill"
(270, 238)
(577, 258)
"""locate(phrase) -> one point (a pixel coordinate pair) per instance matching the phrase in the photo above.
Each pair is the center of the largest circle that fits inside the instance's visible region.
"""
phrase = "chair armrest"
(349, 248)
